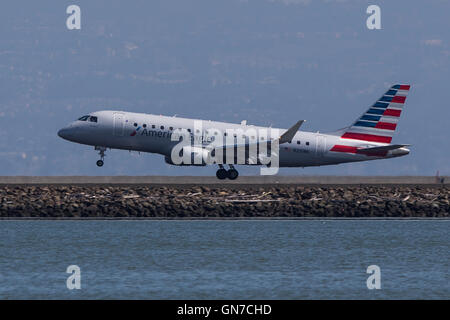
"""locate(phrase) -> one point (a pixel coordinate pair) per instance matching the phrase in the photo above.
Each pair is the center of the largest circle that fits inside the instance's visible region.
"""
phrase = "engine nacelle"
(190, 156)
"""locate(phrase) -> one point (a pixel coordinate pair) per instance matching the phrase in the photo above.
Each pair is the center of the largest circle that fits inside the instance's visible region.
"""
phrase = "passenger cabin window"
(298, 142)
(307, 143)
(144, 125)
(153, 126)
(162, 127)
(93, 119)
(83, 118)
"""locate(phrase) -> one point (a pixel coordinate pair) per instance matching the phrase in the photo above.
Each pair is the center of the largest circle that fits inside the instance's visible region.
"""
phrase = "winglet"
(290, 133)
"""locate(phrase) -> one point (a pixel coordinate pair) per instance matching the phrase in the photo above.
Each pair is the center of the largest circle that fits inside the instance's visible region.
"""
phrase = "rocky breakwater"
(55, 201)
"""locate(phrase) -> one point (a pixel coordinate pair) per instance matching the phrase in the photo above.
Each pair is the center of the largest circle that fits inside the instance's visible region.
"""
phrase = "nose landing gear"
(231, 174)
(102, 150)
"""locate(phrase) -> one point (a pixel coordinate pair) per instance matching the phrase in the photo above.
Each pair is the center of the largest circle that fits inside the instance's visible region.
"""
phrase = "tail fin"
(379, 122)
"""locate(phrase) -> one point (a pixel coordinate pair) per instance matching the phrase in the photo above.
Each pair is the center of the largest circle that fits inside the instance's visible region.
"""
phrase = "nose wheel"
(231, 174)
(101, 152)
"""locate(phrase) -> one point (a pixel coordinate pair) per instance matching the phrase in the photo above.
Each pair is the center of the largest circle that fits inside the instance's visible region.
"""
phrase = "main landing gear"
(102, 156)
(231, 174)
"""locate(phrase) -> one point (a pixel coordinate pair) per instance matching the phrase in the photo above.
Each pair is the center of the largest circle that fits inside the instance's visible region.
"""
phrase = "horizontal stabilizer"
(383, 148)
(290, 133)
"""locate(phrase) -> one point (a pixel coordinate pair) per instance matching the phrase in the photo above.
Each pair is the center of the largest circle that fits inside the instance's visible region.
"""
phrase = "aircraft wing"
(285, 137)
(290, 133)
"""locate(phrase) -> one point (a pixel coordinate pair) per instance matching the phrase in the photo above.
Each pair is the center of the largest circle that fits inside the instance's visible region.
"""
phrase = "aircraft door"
(321, 145)
(118, 124)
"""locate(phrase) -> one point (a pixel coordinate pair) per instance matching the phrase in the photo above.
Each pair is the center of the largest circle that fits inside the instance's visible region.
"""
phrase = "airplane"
(367, 138)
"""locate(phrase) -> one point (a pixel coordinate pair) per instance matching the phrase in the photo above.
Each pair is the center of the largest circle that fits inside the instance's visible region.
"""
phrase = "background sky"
(271, 62)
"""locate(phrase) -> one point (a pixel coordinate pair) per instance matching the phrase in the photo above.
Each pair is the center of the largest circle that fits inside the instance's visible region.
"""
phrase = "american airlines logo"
(135, 131)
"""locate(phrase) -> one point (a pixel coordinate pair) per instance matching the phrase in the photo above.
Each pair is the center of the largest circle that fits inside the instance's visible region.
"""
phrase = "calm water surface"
(224, 259)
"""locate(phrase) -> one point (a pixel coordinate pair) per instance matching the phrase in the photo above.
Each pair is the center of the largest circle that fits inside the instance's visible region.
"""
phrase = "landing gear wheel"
(232, 174)
(221, 174)
(101, 152)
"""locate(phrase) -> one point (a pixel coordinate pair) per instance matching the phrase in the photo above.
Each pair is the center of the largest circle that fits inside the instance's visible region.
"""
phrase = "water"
(224, 259)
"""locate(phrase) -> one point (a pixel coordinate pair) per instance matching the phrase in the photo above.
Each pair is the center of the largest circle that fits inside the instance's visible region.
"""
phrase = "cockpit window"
(92, 119)
(83, 118)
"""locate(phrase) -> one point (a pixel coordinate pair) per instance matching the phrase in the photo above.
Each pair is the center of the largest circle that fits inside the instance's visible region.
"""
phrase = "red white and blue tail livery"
(379, 122)
(371, 134)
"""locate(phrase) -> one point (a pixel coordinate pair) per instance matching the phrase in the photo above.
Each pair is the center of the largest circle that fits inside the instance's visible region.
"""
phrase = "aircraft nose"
(66, 133)
(62, 133)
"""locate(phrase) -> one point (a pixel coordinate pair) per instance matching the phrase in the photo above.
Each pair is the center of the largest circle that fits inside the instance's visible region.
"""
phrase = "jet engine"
(190, 156)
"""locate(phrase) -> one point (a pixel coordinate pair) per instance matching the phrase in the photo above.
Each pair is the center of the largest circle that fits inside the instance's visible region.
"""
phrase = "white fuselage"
(152, 133)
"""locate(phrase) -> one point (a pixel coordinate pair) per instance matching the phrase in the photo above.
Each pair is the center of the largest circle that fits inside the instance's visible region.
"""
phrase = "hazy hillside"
(267, 61)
